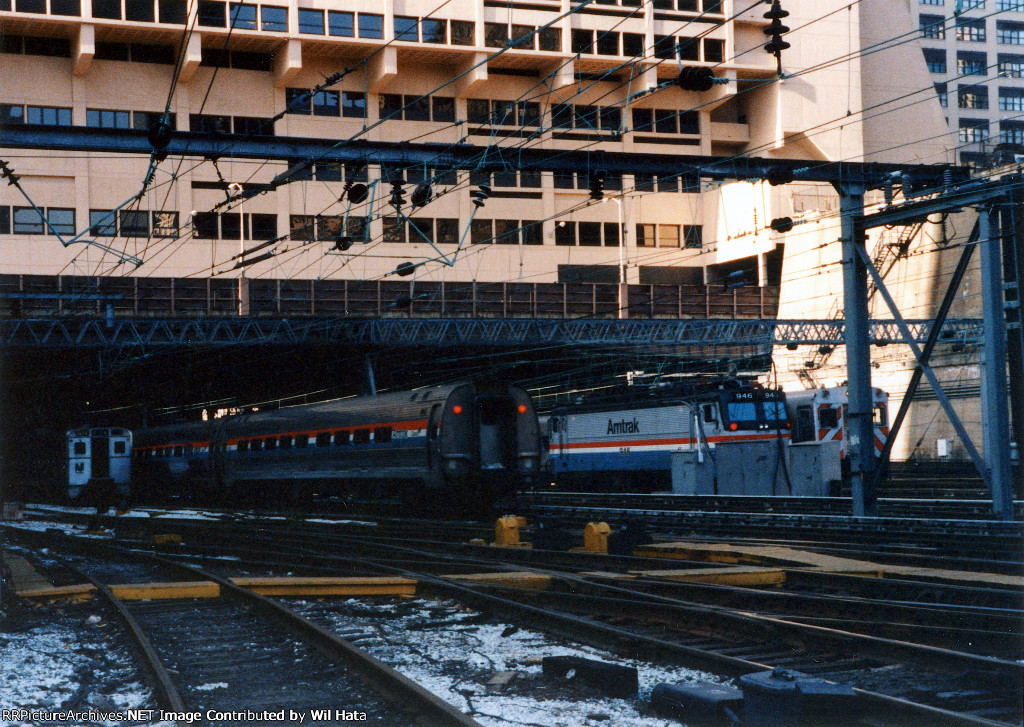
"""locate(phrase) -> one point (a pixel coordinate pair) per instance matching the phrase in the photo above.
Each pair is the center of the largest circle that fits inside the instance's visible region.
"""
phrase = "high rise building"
(975, 53)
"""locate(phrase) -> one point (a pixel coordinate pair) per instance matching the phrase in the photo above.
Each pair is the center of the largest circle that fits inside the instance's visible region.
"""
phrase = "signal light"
(696, 78)
(597, 185)
(480, 194)
(420, 195)
(456, 409)
(782, 224)
(397, 194)
(522, 408)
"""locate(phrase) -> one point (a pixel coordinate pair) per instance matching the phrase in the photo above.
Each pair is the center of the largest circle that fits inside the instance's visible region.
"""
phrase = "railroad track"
(911, 683)
(245, 659)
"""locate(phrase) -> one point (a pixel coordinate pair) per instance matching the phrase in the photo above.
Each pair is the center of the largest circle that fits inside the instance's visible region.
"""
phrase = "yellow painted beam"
(514, 579)
(314, 586)
(736, 576)
(162, 591)
(77, 592)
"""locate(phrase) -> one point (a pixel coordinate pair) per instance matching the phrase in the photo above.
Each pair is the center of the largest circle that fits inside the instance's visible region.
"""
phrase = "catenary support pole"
(995, 408)
(858, 354)
(1013, 283)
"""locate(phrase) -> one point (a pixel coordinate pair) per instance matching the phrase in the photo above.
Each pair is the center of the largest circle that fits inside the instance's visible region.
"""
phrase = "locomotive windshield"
(754, 409)
(775, 413)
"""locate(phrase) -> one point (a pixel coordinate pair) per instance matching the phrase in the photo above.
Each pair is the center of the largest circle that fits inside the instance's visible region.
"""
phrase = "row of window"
(709, 7)
(27, 221)
(143, 11)
(339, 438)
(978, 4)
(326, 228)
(977, 97)
(1009, 65)
(972, 30)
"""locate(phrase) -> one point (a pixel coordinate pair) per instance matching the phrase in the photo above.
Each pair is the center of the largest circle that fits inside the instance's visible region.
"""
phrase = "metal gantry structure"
(927, 189)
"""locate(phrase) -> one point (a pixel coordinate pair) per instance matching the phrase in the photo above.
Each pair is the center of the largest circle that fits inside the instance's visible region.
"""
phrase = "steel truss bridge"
(697, 333)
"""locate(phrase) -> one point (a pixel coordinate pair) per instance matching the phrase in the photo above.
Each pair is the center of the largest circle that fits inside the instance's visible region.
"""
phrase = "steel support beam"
(1013, 282)
(466, 156)
(929, 346)
(995, 408)
(670, 335)
(858, 352)
(954, 418)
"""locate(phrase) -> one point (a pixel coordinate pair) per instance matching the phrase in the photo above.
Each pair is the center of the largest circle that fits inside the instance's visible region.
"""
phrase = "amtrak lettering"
(624, 427)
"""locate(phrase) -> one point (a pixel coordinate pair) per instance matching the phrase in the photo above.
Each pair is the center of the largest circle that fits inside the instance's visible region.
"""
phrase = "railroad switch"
(506, 532)
(595, 537)
(165, 539)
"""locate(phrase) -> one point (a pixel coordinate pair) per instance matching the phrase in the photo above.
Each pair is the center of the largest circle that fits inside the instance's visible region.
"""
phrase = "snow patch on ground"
(454, 653)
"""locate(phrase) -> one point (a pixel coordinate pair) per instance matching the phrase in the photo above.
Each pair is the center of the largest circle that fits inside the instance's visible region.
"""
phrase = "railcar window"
(284, 442)
(167, 451)
(242, 445)
(323, 439)
(710, 415)
(79, 447)
(361, 436)
(179, 450)
(774, 412)
(301, 441)
(189, 449)
(270, 443)
(742, 413)
(878, 416)
(382, 435)
(341, 437)
(828, 418)
(118, 447)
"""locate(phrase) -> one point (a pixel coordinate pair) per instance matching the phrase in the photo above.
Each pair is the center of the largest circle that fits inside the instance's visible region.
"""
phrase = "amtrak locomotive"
(625, 442)
(474, 442)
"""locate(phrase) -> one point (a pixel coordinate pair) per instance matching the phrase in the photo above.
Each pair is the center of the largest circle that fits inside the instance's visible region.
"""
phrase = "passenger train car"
(99, 465)
(473, 442)
(819, 415)
(626, 442)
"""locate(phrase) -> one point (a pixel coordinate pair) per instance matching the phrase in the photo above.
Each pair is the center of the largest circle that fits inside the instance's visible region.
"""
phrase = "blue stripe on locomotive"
(611, 461)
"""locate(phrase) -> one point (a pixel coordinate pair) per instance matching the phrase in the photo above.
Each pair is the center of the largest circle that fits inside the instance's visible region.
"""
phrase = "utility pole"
(858, 353)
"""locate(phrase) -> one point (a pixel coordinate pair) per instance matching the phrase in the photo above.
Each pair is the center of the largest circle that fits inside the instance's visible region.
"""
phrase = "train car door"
(433, 424)
(101, 456)
(804, 429)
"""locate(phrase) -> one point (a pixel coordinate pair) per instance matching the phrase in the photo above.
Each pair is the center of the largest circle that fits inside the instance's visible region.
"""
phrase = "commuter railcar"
(99, 465)
(820, 415)
(626, 443)
(475, 442)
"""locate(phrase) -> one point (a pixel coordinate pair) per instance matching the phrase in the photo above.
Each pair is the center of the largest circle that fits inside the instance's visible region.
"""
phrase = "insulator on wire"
(777, 176)
(782, 224)
(343, 242)
(420, 195)
(696, 78)
(356, 192)
(480, 194)
(775, 31)
(406, 268)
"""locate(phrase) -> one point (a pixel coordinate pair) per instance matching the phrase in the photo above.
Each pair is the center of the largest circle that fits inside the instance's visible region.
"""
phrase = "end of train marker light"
(522, 409)
(457, 409)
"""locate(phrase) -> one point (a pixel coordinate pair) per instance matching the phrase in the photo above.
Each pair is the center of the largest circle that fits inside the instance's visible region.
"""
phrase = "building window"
(102, 223)
(973, 5)
(668, 235)
(931, 2)
(1009, 32)
(298, 101)
(311, 22)
(27, 221)
(972, 97)
(341, 23)
(434, 31)
(243, 16)
(970, 30)
(973, 130)
(165, 224)
(98, 118)
(581, 41)
(932, 26)
(212, 14)
(1011, 65)
(693, 236)
(61, 220)
(1010, 5)
(1011, 132)
(134, 223)
(970, 63)
(463, 32)
(645, 236)
(274, 18)
(550, 39)
(326, 103)
(407, 28)
(48, 116)
(936, 60)
(941, 92)
(353, 105)
(495, 35)
(1011, 99)
(371, 25)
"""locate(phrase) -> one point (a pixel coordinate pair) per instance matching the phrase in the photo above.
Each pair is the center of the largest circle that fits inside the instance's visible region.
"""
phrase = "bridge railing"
(62, 295)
